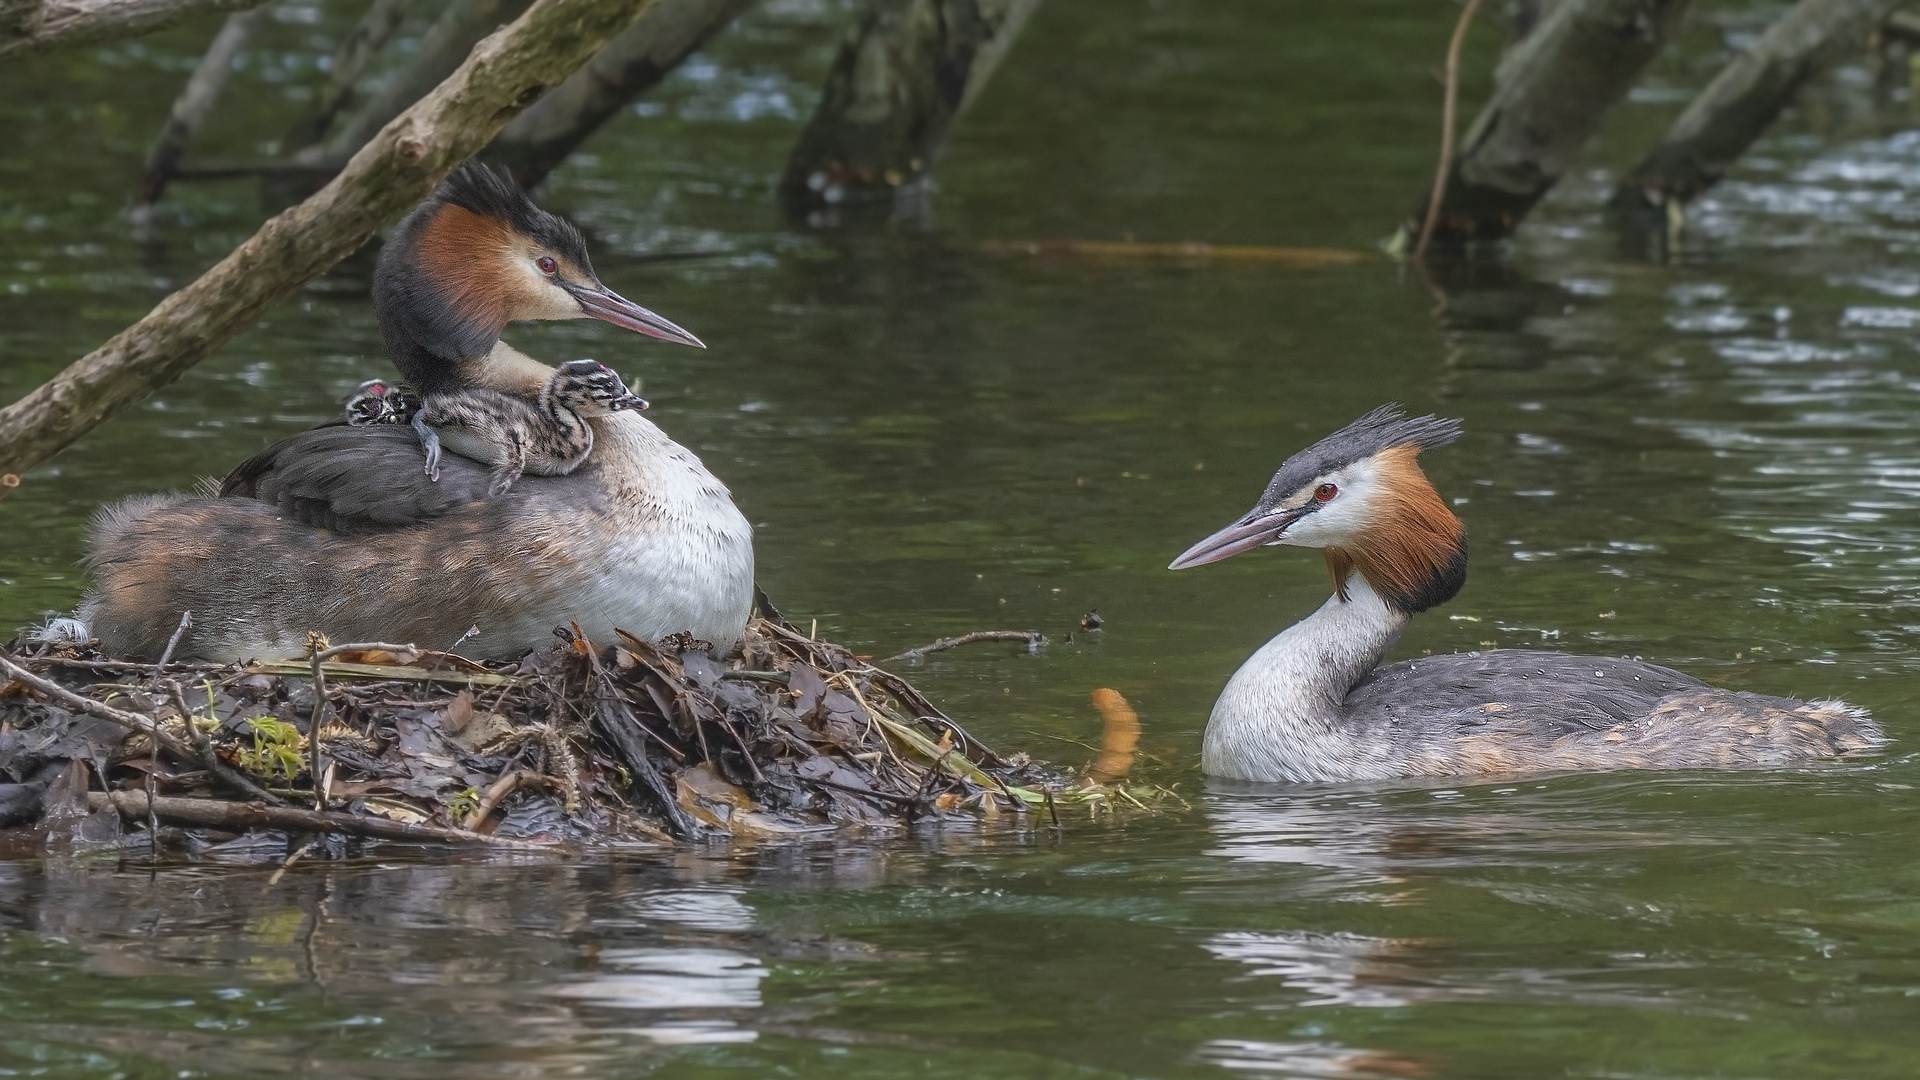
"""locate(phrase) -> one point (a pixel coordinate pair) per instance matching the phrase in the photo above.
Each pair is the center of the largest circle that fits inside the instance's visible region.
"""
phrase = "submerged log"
(907, 73)
(35, 25)
(191, 107)
(1745, 99)
(1551, 90)
(398, 168)
(631, 64)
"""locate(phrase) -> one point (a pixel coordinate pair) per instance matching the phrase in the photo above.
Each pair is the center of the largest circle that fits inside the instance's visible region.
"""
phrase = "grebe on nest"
(338, 530)
(1311, 705)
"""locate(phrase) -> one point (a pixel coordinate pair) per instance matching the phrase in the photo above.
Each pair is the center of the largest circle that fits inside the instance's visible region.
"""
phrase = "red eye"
(547, 265)
(1325, 492)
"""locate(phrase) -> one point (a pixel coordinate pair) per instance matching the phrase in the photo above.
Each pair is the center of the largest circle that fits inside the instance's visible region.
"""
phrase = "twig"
(506, 785)
(237, 815)
(166, 655)
(9, 483)
(1033, 638)
(314, 651)
(298, 854)
(1451, 101)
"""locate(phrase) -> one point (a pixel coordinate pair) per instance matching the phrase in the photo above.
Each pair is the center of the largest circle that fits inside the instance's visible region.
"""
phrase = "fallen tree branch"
(368, 37)
(630, 65)
(445, 44)
(1746, 97)
(506, 72)
(190, 109)
(901, 81)
(1551, 91)
(65, 23)
(133, 806)
(1033, 638)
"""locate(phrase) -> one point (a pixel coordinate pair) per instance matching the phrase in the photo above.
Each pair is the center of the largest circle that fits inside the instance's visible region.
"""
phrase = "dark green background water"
(1713, 463)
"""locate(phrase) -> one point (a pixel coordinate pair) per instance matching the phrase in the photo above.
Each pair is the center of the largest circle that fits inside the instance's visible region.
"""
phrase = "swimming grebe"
(337, 529)
(1311, 705)
(547, 437)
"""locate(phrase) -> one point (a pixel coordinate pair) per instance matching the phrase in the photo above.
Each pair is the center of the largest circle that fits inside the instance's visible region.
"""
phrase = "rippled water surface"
(1711, 462)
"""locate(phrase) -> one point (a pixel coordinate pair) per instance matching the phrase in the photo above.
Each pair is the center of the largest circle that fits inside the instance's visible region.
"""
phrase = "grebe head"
(590, 388)
(378, 401)
(1360, 496)
(476, 256)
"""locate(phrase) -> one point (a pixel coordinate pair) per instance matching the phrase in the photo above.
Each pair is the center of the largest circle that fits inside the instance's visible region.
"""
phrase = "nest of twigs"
(586, 741)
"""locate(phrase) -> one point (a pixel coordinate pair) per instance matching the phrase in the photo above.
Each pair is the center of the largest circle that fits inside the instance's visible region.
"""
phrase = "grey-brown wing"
(1552, 694)
(349, 479)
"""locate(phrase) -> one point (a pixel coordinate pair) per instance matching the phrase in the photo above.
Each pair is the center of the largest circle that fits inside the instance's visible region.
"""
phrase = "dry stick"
(1451, 100)
(1033, 638)
(166, 655)
(236, 815)
(313, 724)
(317, 656)
(398, 167)
(65, 23)
(190, 109)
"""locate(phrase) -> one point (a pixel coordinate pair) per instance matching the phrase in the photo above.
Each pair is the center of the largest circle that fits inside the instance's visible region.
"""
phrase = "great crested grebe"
(547, 437)
(338, 530)
(1311, 705)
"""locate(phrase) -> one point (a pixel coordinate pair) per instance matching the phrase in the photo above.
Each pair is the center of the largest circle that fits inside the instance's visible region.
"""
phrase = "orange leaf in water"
(1119, 737)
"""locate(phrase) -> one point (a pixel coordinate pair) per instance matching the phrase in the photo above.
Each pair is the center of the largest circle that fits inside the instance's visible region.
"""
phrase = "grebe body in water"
(1311, 705)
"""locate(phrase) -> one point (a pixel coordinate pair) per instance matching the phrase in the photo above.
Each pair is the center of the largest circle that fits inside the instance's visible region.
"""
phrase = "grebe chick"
(337, 530)
(1311, 705)
(547, 437)
(378, 401)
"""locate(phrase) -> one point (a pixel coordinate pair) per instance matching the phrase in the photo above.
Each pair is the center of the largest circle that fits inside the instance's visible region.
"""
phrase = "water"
(1712, 463)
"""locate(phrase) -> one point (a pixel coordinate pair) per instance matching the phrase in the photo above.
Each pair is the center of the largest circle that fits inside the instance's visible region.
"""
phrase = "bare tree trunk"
(1551, 90)
(1745, 99)
(32, 25)
(190, 108)
(906, 74)
(21, 18)
(505, 73)
(445, 44)
(633, 63)
(369, 36)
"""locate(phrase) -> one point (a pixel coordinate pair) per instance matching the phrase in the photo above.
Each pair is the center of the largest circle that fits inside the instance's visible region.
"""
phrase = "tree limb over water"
(906, 74)
(506, 72)
(33, 25)
(1551, 91)
(630, 65)
(1745, 99)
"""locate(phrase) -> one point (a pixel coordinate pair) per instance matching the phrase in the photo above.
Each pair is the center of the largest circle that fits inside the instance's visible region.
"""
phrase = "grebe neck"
(1280, 714)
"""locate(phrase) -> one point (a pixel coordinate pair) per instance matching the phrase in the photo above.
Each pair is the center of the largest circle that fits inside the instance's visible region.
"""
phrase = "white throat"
(1279, 717)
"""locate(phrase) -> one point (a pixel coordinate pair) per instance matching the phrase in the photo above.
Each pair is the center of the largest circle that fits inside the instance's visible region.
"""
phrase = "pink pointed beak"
(1257, 529)
(608, 306)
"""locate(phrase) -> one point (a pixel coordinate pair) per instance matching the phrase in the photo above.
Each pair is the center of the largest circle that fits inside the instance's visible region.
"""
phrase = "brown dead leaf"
(459, 713)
